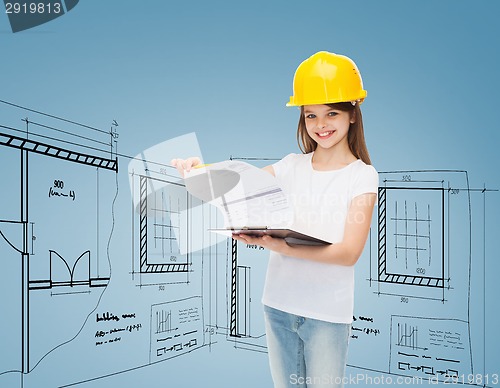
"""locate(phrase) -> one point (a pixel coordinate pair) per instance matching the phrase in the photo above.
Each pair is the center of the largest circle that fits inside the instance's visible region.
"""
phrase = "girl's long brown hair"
(355, 136)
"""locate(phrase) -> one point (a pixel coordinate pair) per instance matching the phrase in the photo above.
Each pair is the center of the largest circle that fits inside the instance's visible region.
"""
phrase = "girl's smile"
(325, 135)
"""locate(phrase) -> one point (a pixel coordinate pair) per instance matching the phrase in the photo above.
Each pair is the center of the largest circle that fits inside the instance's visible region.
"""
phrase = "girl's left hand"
(274, 244)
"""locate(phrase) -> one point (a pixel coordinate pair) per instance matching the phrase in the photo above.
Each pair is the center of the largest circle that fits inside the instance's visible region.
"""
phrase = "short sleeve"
(366, 181)
(283, 165)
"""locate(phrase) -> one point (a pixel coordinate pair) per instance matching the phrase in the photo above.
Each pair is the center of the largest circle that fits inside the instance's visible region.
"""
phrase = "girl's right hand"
(185, 165)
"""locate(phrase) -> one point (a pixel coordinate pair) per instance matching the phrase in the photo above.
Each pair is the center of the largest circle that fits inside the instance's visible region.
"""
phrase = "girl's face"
(327, 126)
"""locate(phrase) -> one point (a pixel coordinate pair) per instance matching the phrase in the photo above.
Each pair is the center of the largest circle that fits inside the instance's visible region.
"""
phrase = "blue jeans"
(305, 352)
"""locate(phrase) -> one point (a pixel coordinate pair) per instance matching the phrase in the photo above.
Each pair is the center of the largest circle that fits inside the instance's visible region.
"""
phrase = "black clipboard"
(289, 235)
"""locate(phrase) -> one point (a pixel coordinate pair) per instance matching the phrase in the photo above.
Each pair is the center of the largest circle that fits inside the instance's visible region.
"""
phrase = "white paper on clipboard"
(245, 194)
(250, 199)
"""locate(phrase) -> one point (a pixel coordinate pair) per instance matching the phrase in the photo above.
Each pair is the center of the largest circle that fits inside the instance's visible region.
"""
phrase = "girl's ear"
(353, 117)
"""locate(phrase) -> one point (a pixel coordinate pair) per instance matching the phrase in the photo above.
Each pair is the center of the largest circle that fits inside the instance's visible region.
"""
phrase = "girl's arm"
(185, 165)
(269, 169)
(346, 252)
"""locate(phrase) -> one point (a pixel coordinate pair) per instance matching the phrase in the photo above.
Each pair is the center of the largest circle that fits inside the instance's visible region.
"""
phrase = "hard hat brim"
(359, 100)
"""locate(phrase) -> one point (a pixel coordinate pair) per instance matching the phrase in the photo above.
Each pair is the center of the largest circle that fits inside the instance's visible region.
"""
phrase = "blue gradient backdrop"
(224, 69)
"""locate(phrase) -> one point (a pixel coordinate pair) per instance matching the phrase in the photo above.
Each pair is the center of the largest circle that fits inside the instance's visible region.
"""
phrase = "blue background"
(224, 70)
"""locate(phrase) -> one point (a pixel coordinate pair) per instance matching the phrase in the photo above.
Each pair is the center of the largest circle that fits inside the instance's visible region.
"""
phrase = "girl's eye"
(311, 116)
(331, 114)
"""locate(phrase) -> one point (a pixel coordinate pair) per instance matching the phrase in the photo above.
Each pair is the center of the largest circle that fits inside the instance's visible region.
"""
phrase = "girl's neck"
(325, 160)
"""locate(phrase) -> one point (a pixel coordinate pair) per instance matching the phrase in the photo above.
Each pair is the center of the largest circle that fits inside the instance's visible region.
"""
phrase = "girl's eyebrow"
(326, 111)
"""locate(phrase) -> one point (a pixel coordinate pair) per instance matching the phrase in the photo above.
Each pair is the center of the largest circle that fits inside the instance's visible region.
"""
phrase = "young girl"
(309, 290)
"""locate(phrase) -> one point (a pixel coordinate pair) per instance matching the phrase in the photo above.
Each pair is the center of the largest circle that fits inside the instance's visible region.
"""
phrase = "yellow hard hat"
(326, 78)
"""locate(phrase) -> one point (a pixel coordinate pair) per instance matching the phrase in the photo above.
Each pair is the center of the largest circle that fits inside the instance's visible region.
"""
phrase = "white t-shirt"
(321, 201)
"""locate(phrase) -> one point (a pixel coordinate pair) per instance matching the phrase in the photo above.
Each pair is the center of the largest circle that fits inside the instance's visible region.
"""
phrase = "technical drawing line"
(10, 371)
(399, 295)
(414, 181)
(445, 359)
(423, 281)
(130, 369)
(53, 138)
(411, 235)
(71, 271)
(413, 188)
(97, 223)
(10, 222)
(69, 293)
(159, 284)
(250, 158)
(416, 231)
(25, 263)
(100, 296)
(411, 219)
(65, 132)
(429, 318)
(53, 116)
(429, 232)
(250, 348)
(159, 226)
(408, 355)
(98, 149)
(57, 152)
(8, 242)
(407, 340)
(408, 242)
(483, 190)
(165, 211)
(484, 279)
(406, 231)
(407, 171)
(26, 146)
(164, 322)
(469, 275)
(234, 289)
